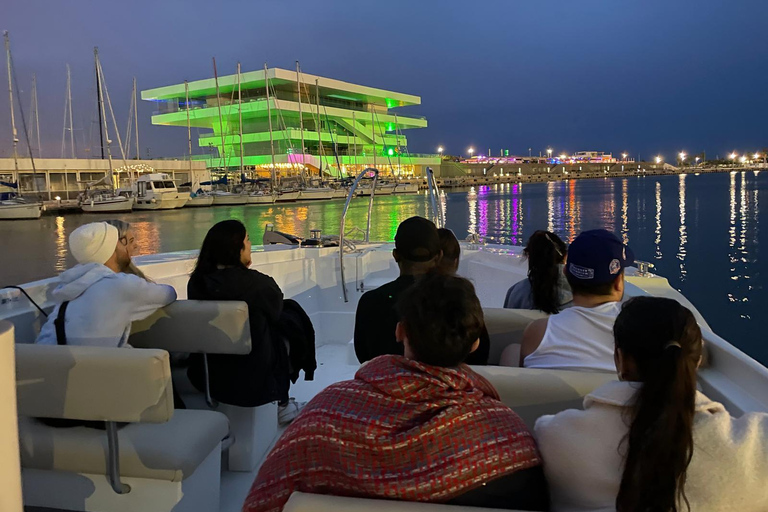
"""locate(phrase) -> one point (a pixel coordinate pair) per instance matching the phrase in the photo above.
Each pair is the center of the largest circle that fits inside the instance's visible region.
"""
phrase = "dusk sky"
(645, 76)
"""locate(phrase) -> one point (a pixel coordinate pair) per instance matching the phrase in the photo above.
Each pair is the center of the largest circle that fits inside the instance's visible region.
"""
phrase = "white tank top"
(578, 338)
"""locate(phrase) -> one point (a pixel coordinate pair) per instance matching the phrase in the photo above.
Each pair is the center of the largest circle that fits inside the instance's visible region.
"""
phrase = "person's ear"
(475, 345)
(395, 255)
(400, 332)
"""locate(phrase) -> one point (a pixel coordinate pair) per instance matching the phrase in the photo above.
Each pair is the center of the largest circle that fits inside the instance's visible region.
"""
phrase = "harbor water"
(701, 232)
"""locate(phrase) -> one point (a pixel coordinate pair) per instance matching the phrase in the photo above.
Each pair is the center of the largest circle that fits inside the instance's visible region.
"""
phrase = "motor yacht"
(157, 191)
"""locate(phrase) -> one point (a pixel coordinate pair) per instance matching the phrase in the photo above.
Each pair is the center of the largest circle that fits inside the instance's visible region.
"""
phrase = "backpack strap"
(61, 335)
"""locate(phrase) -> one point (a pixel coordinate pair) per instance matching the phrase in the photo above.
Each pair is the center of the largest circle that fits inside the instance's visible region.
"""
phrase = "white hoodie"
(583, 462)
(102, 305)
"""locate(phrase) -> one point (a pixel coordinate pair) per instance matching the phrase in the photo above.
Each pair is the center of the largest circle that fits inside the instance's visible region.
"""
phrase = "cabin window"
(169, 184)
(157, 184)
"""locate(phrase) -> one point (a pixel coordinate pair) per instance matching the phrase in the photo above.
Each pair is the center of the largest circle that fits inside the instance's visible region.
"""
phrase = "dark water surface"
(701, 232)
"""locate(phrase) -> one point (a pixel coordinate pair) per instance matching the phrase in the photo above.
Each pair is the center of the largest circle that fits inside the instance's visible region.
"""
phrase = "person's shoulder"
(552, 426)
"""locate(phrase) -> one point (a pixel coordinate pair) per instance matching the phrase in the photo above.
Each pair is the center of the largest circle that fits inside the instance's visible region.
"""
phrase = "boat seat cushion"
(169, 451)
(533, 392)
(305, 502)
(506, 326)
(93, 383)
(213, 327)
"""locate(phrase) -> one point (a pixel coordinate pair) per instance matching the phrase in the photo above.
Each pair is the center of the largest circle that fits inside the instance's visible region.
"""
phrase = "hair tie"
(672, 344)
(557, 249)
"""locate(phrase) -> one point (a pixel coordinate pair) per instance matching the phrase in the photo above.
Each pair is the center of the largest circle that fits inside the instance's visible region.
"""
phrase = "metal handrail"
(434, 194)
(351, 194)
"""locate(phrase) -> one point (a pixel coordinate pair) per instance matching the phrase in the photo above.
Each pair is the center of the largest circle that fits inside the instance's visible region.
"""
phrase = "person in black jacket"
(222, 273)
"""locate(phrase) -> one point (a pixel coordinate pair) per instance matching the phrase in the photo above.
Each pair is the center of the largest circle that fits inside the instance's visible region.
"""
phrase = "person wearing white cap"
(96, 302)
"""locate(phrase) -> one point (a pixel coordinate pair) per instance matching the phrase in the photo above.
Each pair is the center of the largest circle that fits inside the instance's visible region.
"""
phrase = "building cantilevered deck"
(346, 127)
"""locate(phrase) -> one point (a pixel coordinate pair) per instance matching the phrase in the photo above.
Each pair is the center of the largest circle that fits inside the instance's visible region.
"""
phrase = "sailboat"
(197, 197)
(312, 191)
(104, 200)
(281, 195)
(15, 207)
(224, 197)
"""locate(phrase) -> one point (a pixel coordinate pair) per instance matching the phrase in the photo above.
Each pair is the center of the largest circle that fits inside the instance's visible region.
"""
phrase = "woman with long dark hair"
(222, 273)
(545, 288)
(650, 442)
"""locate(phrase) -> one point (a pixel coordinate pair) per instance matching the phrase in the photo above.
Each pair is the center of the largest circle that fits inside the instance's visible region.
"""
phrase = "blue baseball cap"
(598, 256)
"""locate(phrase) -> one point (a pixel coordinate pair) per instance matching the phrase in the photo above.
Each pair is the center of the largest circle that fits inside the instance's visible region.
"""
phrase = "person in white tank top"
(581, 337)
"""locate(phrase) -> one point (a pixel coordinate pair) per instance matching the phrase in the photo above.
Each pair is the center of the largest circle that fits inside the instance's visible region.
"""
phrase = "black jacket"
(261, 376)
(376, 320)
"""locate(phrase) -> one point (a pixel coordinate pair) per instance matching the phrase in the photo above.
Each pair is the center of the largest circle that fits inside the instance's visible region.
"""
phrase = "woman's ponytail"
(662, 340)
(545, 251)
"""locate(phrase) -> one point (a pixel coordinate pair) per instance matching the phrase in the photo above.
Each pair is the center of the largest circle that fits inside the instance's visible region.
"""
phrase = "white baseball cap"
(93, 243)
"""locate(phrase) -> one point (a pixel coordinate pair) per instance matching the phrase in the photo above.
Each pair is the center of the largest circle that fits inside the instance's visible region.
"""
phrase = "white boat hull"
(229, 199)
(110, 205)
(406, 188)
(340, 193)
(383, 190)
(199, 201)
(261, 199)
(316, 194)
(163, 203)
(13, 210)
(287, 197)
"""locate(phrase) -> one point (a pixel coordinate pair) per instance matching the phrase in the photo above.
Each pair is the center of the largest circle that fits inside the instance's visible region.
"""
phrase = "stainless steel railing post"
(351, 194)
(434, 196)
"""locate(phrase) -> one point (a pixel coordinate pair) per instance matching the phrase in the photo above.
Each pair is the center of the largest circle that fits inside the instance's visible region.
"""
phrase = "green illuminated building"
(352, 128)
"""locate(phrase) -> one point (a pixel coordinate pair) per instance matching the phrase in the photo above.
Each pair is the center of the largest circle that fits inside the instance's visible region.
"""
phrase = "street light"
(563, 156)
(624, 156)
(470, 151)
(697, 160)
(682, 156)
(440, 150)
(549, 152)
(658, 159)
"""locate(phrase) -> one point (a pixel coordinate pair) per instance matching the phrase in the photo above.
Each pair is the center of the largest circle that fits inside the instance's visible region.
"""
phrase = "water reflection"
(60, 264)
(551, 206)
(472, 203)
(683, 229)
(624, 208)
(657, 232)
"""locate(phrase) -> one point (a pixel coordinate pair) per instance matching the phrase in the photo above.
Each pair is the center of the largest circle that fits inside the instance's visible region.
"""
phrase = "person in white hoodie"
(651, 441)
(96, 301)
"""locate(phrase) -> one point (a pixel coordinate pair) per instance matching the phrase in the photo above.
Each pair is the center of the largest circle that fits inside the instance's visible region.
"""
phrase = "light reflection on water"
(707, 246)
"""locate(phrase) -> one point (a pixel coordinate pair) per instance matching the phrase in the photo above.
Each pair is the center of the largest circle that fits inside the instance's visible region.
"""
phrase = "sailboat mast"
(71, 122)
(218, 102)
(301, 117)
(319, 135)
(103, 116)
(269, 120)
(354, 138)
(240, 117)
(397, 143)
(136, 118)
(34, 108)
(68, 112)
(373, 137)
(189, 127)
(14, 134)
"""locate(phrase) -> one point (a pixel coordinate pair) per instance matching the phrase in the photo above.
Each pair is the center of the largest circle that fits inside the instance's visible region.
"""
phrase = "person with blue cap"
(581, 337)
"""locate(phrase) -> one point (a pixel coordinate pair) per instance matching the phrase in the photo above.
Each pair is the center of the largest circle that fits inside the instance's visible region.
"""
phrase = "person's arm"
(145, 297)
(269, 295)
(363, 322)
(532, 337)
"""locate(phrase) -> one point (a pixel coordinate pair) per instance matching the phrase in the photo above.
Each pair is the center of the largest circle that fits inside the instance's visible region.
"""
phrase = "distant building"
(587, 157)
(346, 127)
(65, 178)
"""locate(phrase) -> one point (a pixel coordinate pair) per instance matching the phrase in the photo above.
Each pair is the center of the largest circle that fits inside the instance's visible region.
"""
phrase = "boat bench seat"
(505, 327)
(533, 392)
(158, 449)
(212, 327)
(169, 451)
